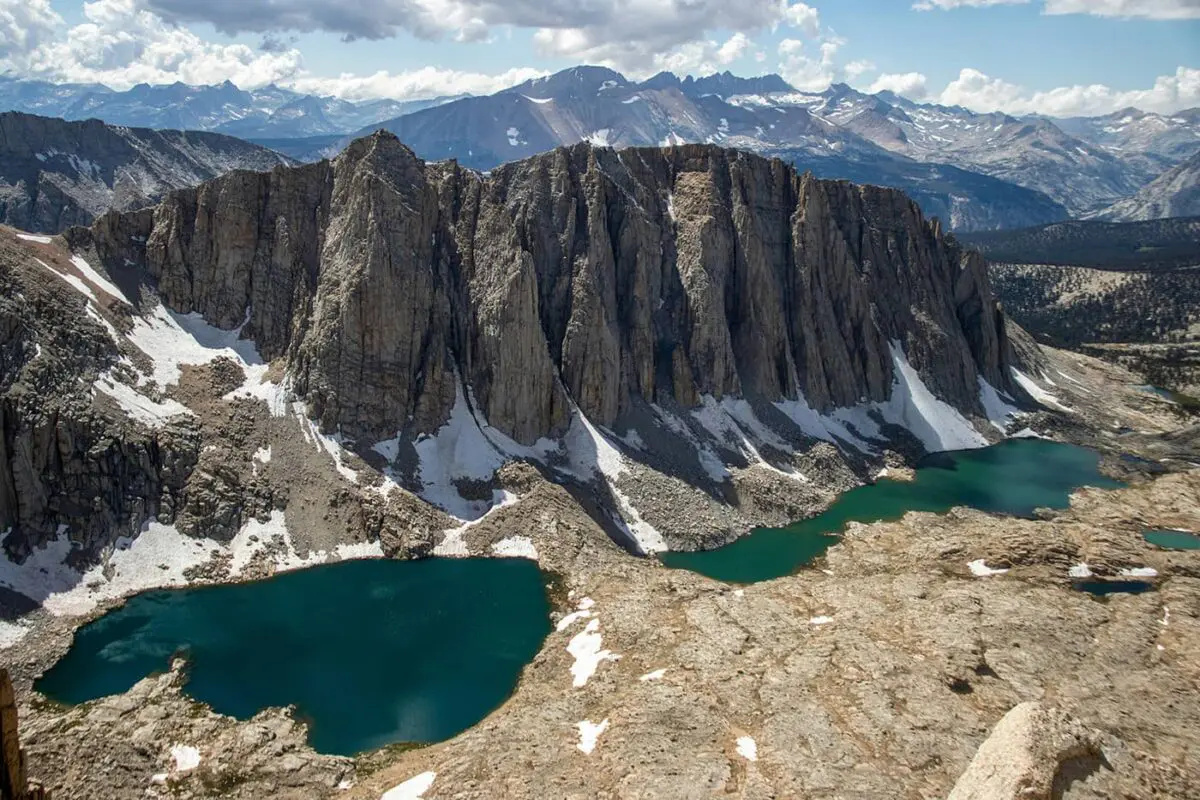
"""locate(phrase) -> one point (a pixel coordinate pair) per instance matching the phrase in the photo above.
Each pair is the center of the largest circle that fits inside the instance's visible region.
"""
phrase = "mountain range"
(270, 111)
(54, 174)
(976, 171)
(840, 132)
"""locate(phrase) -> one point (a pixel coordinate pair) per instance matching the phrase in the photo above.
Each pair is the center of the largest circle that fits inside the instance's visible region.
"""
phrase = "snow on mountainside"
(602, 107)
(270, 111)
(1067, 167)
(1175, 193)
(1034, 153)
(54, 174)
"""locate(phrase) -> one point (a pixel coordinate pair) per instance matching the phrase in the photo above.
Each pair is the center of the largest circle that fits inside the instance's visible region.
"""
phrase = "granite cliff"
(581, 278)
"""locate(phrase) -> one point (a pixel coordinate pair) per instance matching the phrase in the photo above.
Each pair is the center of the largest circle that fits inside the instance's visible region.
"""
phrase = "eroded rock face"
(582, 277)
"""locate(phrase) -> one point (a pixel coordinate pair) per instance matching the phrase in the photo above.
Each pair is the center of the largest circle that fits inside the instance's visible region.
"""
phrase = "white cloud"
(907, 84)
(1149, 9)
(120, 45)
(700, 58)
(420, 83)
(856, 69)
(627, 34)
(975, 90)
(809, 73)
(24, 26)
(804, 18)
(1146, 9)
(946, 5)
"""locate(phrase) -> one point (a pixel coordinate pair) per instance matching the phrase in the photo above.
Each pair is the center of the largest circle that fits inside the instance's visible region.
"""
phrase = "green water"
(371, 652)
(1173, 540)
(1102, 588)
(1013, 477)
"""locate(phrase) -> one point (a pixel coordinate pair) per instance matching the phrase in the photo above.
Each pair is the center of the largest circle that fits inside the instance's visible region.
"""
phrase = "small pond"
(371, 652)
(1013, 477)
(1172, 540)
(1102, 588)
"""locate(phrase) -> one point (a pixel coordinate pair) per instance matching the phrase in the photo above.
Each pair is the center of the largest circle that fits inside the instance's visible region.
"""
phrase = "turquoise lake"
(1173, 540)
(370, 652)
(1013, 477)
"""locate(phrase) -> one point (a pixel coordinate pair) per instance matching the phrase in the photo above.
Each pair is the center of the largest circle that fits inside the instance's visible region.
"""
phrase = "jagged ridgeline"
(581, 278)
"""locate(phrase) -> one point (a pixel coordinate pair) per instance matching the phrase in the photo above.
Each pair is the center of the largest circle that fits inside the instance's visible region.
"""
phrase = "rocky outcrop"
(579, 278)
(54, 174)
(1025, 756)
(13, 782)
(62, 463)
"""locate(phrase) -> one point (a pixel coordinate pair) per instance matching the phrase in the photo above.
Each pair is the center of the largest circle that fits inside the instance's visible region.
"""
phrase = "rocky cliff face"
(580, 278)
(54, 174)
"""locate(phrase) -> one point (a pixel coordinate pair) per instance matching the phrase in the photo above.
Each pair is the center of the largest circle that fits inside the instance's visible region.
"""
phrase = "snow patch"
(138, 407)
(458, 450)
(653, 676)
(820, 620)
(938, 425)
(583, 612)
(539, 100)
(11, 633)
(516, 547)
(411, 789)
(358, 551)
(589, 732)
(980, 569)
(1080, 571)
(33, 237)
(599, 138)
(1037, 392)
(747, 748)
(1140, 572)
(186, 757)
(262, 455)
(998, 408)
(452, 543)
(255, 536)
(98, 280)
(513, 135)
(585, 648)
(159, 556)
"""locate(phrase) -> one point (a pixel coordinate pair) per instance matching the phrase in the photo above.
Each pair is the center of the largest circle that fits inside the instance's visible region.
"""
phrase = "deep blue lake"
(370, 652)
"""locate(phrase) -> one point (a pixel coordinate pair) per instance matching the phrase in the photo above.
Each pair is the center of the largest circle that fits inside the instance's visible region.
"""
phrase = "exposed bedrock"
(581, 277)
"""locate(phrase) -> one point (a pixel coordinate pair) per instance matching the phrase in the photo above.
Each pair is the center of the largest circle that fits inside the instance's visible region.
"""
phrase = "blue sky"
(1051, 56)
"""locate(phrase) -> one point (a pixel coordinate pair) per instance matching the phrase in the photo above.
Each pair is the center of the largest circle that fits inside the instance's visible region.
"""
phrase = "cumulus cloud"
(25, 25)
(981, 92)
(121, 44)
(908, 84)
(1146, 9)
(627, 34)
(810, 73)
(639, 36)
(422, 83)
(856, 69)
(701, 58)
(946, 5)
